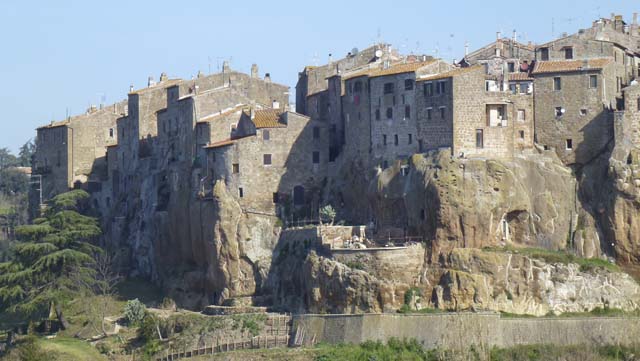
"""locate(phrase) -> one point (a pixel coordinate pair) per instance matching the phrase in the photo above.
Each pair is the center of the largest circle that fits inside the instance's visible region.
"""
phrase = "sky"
(59, 57)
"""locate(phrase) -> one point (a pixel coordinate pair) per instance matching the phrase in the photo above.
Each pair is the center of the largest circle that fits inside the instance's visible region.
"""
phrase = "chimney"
(330, 58)
(515, 35)
(267, 78)
(225, 66)
(634, 25)
(150, 81)
(200, 75)
(252, 113)
(466, 48)
(163, 77)
(131, 88)
(115, 108)
(635, 19)
(498, 35)
(254, 71)
(275, 104)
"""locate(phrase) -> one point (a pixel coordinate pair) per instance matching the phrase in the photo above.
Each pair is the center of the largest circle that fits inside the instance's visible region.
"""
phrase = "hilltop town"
(209, 186)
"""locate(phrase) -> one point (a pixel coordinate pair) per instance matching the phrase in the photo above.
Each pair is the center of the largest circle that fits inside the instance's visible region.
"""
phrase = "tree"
(25, 155)
(47, 256)
(7, 159)
(328, 213)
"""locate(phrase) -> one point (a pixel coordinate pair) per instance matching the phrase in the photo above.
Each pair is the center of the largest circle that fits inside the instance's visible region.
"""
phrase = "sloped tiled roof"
(519, 76)
(564, 66)
(400, 68)
(268, 118)
(450, 73)
(210, 117)
(219, 144)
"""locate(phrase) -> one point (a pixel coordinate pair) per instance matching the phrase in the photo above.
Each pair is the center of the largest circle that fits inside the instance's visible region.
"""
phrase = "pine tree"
(49, 255)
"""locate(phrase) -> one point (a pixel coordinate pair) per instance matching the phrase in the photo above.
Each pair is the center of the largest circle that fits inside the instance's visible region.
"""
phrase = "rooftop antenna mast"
(315, 59)
(209, 60)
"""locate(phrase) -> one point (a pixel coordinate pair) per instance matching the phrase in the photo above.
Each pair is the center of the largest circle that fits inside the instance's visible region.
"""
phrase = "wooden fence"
(221, 345)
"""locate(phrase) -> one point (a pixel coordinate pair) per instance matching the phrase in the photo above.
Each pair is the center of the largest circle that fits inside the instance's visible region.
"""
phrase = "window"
(377, 114)
(559, 112)
(639, 104)
(479, 139)
(385, 164)
(441, 87)
(569, 144)
(384, 139)
(389, 113)
(513, 88)
(407, 112)
(557, 83)
(240, 192)
(420, 147)
(568, 53)
(408, 84)
(236, 168)
(410, 139)
(403, 99)
(511, 67)
(357, 88)
(276, 197)
(394, 100)
(593, 81)
(298, 195)
(521, 115)
(316, 133)
(316, 157)
(525, 88)
(110, 132)
(388, 88)
(544, 54)
(395, 139)
(428, 89)
(265, 134)
(423, 214)
(521, 134)
(583, 111)
(429, 111)
(443, 110)
(266, 159)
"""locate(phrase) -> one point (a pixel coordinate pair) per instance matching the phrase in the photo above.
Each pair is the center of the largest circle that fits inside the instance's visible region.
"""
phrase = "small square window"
(377, 114)
(479, 139)
(521, 134)
(410, 139)
(236, 168)
(389, 113)
(428, 89)
(569, 144)
(511, 67)
(593, 81)
(583, 111)
(384, 139)
(276, 198)
(568, 53)
(316, 133)
(316, 157)
(240, 192)
(265, 134)
(388, 88)
(429, 111)
(521, 115)
(408, 84)
(266, 159)
(407, 112)
(110, 132)
(559, 112)
(395, 139)
(443, 111)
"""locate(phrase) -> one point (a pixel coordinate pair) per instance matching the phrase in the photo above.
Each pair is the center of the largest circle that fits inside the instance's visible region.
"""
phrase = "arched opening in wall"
(298, 195)
(516, 227)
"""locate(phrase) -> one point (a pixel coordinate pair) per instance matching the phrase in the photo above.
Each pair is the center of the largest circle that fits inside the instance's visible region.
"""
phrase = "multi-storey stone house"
(578, 84)
(73, 152)
(275, 161)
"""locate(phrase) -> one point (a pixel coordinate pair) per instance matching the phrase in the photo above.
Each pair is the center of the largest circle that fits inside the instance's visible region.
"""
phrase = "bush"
(328, 213)
(134, 311)
(30, 350)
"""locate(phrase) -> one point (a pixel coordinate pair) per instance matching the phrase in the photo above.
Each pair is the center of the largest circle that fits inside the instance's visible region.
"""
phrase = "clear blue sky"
(60, 55)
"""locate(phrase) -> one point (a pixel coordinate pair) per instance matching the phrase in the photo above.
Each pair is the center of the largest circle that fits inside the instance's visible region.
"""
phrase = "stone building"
(579, 80)
(72, 153)
(503, 52)
(574, 103)
(627, 123)
(460, 109)
(275, 162)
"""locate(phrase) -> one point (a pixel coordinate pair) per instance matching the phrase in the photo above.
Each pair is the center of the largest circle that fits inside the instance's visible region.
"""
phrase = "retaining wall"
(459, 331)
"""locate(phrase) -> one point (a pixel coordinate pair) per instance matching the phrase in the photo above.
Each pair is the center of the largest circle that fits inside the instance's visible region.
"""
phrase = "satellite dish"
(378, 53)
(354, 51)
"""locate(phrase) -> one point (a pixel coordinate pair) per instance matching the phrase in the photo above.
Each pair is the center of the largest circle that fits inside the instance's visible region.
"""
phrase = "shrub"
(134, 311)
(328, 213)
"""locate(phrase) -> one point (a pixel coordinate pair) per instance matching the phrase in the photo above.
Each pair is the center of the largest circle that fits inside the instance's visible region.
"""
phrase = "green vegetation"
(596, 312)
(569, 353)
(406, 309)
(134, 311)
(394, 350)
(252, 323)
(355, 265)
(327, 213)
(52, 256)
(586, 264)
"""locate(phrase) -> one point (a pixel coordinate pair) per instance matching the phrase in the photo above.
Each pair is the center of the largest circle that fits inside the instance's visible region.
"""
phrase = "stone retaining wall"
(459, 331)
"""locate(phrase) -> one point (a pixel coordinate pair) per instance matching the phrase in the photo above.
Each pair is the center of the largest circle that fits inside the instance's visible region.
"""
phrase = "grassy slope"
(70, 349)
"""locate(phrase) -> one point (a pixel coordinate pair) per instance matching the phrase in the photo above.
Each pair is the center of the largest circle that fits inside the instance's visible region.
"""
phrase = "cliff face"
(529, 201)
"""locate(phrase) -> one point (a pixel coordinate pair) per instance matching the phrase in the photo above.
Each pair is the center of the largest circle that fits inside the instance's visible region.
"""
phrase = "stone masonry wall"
(460, 331)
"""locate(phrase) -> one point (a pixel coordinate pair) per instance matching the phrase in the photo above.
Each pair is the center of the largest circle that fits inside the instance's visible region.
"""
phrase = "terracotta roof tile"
(222, 143)
(563, 66)
(213, 116)
(401, 68)
(519, 76)
(450, 73)
(160, 85)
(268, 118)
